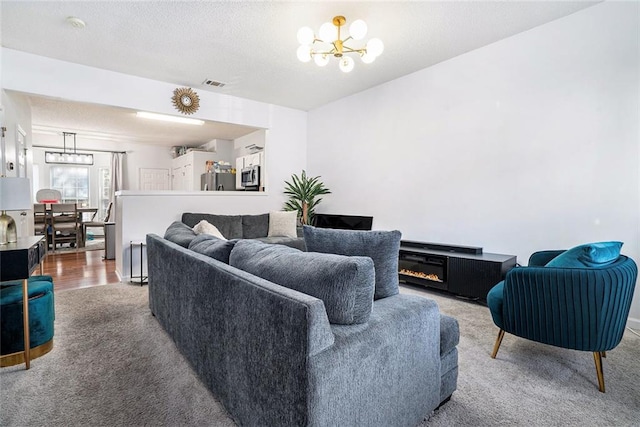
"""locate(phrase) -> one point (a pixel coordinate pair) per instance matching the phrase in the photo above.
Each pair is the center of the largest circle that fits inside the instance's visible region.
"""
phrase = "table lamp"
(15, 195)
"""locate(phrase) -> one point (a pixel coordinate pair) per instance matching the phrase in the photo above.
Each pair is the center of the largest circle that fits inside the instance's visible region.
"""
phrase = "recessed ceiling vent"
(213, 83)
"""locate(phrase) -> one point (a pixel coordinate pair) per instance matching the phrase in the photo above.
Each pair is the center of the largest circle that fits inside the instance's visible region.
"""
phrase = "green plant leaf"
(304, 189)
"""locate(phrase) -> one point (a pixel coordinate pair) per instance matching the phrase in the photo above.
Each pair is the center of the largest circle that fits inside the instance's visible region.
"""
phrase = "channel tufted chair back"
(576, 308)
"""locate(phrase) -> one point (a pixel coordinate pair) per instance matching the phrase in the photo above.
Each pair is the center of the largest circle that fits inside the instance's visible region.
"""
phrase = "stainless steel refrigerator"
(218, 181)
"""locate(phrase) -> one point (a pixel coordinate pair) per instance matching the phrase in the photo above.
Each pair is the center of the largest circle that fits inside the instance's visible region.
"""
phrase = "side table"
(18, 261)
(141, 278)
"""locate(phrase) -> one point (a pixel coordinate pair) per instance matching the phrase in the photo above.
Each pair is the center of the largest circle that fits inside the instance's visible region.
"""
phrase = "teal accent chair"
(41, 318)
(576, 308)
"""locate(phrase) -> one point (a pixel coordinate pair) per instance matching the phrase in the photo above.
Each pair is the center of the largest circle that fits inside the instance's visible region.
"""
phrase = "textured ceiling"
(251, 46)
(51, 117)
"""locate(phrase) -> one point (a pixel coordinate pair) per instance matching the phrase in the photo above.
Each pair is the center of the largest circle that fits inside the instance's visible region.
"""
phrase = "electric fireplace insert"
(460, 270)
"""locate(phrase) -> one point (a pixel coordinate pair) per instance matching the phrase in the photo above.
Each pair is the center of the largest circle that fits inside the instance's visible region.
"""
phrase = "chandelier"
(331, 41)
(68, 158)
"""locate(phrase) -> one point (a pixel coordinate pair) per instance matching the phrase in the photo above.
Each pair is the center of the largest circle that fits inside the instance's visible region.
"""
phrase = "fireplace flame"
(421, 275)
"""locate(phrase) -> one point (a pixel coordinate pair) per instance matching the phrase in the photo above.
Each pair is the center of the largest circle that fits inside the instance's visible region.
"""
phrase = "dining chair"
(65, 224)
(97, 224)
(40, 221)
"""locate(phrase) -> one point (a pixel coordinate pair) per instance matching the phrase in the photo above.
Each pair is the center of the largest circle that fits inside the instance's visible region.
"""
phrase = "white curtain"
(116, 181)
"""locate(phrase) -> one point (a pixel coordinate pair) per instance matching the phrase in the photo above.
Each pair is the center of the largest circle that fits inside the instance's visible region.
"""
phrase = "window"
(104, 176)
(73, 183)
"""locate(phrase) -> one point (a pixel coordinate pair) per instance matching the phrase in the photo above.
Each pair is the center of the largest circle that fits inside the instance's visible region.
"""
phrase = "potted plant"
(302, 192)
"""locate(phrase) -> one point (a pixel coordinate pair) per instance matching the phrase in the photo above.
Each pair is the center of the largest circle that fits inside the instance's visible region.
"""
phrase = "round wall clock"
(185, 100)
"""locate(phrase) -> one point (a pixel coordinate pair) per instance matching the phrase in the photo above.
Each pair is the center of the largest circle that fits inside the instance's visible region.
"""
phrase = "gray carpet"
(113, 365)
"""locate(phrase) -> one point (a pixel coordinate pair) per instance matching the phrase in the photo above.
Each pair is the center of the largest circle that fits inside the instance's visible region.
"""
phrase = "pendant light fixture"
(68, 158)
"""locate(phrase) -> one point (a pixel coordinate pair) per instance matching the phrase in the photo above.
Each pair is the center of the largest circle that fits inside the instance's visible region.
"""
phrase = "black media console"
(461, 270)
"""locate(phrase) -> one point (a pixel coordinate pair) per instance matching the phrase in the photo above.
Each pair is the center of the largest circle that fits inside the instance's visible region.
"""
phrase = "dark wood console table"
(17, 261)
(461, 270)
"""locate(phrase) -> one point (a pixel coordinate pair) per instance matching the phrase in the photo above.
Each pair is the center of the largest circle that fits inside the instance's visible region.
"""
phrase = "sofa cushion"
(383, 247)
(213, 247)
(598, 254)
(254, 226)
(204, 227)
(344, 284)
(180, 234)
(283, 224)
(229, 225)
(297, 243)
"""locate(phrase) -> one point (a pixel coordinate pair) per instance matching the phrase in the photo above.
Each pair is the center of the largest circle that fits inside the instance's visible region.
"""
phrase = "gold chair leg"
(597, 357)
(604, 353)
(497, 344)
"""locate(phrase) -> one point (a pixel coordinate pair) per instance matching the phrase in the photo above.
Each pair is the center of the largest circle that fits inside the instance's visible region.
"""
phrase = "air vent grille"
(213, 83)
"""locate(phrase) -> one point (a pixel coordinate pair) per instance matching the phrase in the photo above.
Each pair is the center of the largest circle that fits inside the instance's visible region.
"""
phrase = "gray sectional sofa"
(243, 227)
(289, 338)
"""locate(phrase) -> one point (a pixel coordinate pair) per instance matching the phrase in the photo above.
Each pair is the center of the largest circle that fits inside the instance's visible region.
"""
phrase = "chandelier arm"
(328, 52)
(347, 49)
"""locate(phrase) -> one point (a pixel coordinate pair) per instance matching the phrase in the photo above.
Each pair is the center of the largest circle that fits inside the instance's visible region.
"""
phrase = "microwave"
(250, 177)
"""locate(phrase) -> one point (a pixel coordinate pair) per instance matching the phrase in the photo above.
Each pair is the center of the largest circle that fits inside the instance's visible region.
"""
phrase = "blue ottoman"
(41, 317)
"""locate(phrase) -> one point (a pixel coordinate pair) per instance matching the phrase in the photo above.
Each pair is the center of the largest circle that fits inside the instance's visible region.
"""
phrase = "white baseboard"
(633, 323)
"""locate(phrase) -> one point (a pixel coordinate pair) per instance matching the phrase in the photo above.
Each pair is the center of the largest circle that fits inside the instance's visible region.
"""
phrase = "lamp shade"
(15, 194)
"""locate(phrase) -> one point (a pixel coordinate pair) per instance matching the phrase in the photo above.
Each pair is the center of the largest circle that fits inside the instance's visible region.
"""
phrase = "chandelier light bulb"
(375, 47)
(305, 36)
(358, 29)
(346, 64)
(304, 53)
(328, 32)
(321, 60)
(367, 58)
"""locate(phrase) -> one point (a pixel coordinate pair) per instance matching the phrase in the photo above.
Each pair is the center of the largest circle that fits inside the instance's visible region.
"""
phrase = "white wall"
(530, 143)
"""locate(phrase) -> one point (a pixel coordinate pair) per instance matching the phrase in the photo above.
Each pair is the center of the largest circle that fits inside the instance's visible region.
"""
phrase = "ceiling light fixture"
(76, 23)
(165, 118)
(331, 40)
(68, 158)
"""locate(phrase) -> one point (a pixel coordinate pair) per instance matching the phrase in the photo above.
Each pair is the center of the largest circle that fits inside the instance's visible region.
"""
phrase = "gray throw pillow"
(383, 247)
(213, 247)
(344, 284)
(180, 234)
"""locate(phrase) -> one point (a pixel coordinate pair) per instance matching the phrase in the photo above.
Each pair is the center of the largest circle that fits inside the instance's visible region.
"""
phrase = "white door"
(154, 179)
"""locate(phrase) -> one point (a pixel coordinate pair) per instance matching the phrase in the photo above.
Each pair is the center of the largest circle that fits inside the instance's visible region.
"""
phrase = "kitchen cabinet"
(186, 170)
(253, 160)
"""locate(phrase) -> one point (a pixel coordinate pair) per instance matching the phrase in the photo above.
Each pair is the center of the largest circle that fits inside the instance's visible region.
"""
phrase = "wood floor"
(73, 270)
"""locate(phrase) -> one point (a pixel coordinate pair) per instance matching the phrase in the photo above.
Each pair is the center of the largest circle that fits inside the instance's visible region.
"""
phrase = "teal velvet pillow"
(598, 254)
